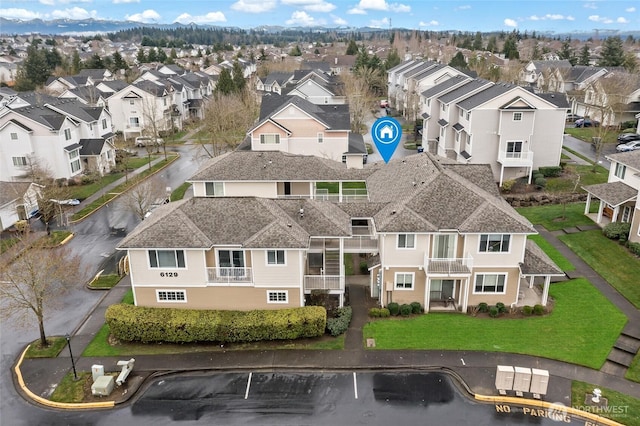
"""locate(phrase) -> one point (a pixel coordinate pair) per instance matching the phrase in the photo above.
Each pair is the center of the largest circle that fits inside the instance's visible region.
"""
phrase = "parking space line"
(355, 385)
(246, 393)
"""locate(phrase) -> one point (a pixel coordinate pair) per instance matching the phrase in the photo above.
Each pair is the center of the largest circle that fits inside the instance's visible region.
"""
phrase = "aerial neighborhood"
(285, 205)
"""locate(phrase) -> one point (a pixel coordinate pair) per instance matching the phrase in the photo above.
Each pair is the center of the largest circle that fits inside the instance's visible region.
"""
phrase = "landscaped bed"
(567, 334)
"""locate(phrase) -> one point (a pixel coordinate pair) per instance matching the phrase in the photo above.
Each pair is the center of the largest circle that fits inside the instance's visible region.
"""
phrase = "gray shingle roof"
(485, 95)
(335, 117)
(612, 193)
(10, 191)
(91, 146)
(536, 261)
(464, 90)
(630, 159)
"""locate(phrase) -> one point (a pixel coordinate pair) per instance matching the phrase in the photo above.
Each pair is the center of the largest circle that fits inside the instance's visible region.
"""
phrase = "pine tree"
(118, 62)
(477, 41)
(352, 48)
(458, 61)
(585, 54)
(612, 54)
(76, 63)
(239, 82)
(225, 84)
(510, 48)
(141, 57)
(492, 44)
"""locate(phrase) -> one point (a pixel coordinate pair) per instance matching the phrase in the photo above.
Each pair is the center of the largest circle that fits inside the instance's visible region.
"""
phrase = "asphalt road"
(586, 150)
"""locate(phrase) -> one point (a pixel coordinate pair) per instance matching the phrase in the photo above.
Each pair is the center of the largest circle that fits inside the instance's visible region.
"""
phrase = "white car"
(629, 146)
(148, 141)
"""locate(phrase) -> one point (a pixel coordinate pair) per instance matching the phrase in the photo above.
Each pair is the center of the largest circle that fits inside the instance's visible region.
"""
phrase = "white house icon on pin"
(386, 133)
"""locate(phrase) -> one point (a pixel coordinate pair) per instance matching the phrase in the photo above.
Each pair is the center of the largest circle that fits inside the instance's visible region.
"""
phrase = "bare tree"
(35, 282)
(360, 97)
(141, 199)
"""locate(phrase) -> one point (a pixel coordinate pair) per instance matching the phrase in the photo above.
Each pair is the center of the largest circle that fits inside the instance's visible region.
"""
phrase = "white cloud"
(601, 19)
(432, 23)
(311, 5)
(510, 22)
(74, 13)
(303, 19)
(400, 8)
(209, 18)
(254, 6)
(47, 2)
(15, 13)
(379, 23)
(147, 17)
(622, 20)
(338, 20)
(125, 1)
(382, 5)
(74, 1)
(356, 11)
(630, 9)
(550, 17)
(590, 6)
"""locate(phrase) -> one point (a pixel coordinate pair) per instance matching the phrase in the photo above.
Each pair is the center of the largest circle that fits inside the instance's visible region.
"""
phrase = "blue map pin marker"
(386, 133)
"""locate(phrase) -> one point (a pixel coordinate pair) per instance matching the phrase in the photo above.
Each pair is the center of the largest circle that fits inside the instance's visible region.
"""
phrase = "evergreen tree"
(492, 44)
(173, 54)
(458, 61)
(352, 48)
(392, 60)
(477, 41)
(225, 84)
(141, 57)
(510, 48)
(76, 63)
(536, 55)
(34, 71)
(295, 51)
(153, 55)
(583, 59)
(566, 52)
(239, 82)
(118, 62)
(612, 54)
(161, 56)
(94, 62)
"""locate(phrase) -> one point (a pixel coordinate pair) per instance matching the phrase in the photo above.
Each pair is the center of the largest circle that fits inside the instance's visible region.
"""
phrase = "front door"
(442, 290)
(287, 188)
(231, 263)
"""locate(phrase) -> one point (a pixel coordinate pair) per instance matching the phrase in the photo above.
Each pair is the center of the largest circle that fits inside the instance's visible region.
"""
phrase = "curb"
(66, 240)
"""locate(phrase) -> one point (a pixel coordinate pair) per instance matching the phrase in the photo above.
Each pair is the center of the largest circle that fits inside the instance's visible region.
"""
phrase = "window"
(132, 102)
(494, 243)
(406, 241)
(231, 258)
(74, 161)
(468, 115)
(104, 123)
(621, 169)
(517, 116)
(67, 134)
(171, 296)
(277, 296)
(444, 107)
(214, 189)
(275, 257)
(444, 246)
(461, 112)
(514, 149)
(320, 137)
(19, 161)
(490, 283)
(404, 280)
(626, 214)
(14, 136)
(166, 258)
(270, 139)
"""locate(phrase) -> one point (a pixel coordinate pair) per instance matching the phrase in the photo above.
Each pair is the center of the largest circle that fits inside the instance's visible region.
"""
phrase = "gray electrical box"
(103, 386)
(539, 382)
(97, 370)
(504, 378)
(521, 380)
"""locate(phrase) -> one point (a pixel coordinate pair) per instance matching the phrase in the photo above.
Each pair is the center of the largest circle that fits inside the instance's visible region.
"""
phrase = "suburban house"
(98, 155)
(18, 201)
(48, 134)
(297, 126)
(619, 197)
(536, 73)
(433, 231)
(313, 85)
(573, 79)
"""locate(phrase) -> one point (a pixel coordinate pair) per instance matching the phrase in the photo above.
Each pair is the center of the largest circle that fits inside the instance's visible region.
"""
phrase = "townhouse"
(619, 197)
(433, 231)
(18, 201)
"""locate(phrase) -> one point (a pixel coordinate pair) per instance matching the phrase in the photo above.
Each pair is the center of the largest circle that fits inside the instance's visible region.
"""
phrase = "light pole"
(73, 364)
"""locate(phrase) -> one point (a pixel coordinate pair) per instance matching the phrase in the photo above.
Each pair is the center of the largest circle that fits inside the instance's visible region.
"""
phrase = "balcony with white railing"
(516, 159)
(362, 239)
(323, 282)
(448, 266)
(230, 276)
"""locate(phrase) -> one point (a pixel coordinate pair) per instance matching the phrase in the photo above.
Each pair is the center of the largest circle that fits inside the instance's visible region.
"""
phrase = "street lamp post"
(73, 364)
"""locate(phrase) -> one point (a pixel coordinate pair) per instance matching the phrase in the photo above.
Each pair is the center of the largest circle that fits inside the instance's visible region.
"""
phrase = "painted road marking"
(462, 361)
(246, 393)
(355, 385)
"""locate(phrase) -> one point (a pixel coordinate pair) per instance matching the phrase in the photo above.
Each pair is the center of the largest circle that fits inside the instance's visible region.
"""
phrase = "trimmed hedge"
(379, 312)
(551, 171)
(617, 230)
(340, 323)
(394, 308)
(634, 248)
(135, 323)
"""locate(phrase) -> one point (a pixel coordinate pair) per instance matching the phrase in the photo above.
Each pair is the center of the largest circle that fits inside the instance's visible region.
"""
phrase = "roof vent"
(289, 225)
(393, 212)
(301, 212)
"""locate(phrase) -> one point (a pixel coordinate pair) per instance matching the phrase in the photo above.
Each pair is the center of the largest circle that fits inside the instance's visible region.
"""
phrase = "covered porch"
(617, 202)
(536, 273)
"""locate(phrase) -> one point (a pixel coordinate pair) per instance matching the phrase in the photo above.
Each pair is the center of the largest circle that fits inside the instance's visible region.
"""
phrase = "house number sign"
(168, 274)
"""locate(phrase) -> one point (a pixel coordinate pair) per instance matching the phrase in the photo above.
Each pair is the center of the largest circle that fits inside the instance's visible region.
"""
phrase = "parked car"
(573, 117)
(628, 137)
(587, 122)
(147, 141)
(629, 146)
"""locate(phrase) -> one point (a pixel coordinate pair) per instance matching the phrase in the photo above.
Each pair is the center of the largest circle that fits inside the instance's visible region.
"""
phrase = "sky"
(471, 15)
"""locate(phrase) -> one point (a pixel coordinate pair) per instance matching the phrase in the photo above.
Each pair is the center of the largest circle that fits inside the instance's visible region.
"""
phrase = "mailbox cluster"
(521, 380)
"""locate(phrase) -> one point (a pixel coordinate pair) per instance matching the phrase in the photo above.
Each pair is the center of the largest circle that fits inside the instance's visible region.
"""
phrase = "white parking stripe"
(246, 394)
(355, 385)
(462, 361)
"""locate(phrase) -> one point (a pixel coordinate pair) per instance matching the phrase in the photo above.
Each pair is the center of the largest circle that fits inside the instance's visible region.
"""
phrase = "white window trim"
(277, 141)
(214, 189)
(413, 281)
(620, 171)
(501, 243)
(286, 295)
(266, 257)
(320, 137)
(475, 277)
(406, 248)
(518, 114)
(67, 134)
(158, 291)
(14, 136)
(20, 160)
(154, 268)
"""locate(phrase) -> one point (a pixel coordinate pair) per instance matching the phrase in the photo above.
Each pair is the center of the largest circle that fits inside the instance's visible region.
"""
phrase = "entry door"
(442, 289)
(232, 262)
(287, 188)
(444, 246)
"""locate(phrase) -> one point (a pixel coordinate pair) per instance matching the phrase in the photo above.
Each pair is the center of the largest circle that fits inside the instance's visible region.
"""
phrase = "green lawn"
(70, 390)
(576, 176)
(348, 264)
(609, 259)
(556, 216)
(83, 191)
(623, 408)
(7, 243)
(106, 281)
(56, 345)
(633, 372)
(178, 193)
(553, 253)
(567, 334)
(333, 187)
(586, 133)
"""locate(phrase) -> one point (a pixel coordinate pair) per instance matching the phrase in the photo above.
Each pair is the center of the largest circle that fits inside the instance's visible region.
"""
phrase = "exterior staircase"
(623, 352)
(332, 262)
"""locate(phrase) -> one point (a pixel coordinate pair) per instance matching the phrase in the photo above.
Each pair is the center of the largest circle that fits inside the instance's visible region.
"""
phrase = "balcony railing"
(229, 275)
(323, 282)
(449, 266)
(516, 159)
(361, 242)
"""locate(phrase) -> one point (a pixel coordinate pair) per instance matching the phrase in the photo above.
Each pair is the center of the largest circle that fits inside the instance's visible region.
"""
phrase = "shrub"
(527, 310)
(507, 185)
(416, 308)
(364, 268)
(483, 307)
(134, 323)
(617, 230)
(634, 248)
(379, 313)
(493, 312)
(405, 310)
(540, 182)
(538, 310)
(501, 307)
(394, 308)
(551, 171)
(340, 323)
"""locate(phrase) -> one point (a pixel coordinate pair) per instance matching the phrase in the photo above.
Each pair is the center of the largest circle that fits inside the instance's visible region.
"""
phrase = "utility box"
(539, 382)
(521, 380)
(97, 370)
(504, 378)
(103, 386)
